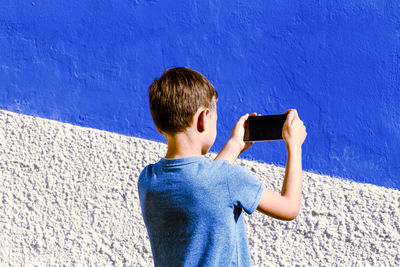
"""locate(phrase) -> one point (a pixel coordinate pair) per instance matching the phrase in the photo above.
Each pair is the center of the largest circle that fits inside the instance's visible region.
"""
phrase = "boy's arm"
(286, 206)
(235, 145)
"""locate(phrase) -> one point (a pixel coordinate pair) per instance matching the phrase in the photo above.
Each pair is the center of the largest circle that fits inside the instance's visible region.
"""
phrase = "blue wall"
(90, 62)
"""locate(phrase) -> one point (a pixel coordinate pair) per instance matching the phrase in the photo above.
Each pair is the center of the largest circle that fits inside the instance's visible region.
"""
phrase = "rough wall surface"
(337, 62)
(68, 196)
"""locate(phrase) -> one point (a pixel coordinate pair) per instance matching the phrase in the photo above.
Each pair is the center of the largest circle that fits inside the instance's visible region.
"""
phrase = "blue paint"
(90, 62)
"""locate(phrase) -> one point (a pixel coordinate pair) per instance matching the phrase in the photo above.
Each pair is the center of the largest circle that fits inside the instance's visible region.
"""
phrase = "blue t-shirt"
(192, 209)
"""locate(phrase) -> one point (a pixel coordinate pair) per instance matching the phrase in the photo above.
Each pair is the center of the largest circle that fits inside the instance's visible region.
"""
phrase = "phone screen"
(264, 128)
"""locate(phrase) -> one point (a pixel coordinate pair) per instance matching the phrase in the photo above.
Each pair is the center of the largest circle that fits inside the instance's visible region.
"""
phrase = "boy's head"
(177, 95)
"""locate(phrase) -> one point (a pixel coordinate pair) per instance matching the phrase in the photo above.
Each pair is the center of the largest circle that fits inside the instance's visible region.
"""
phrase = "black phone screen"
(263, 128)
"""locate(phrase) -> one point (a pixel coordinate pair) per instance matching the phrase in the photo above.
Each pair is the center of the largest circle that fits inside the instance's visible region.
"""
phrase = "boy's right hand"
(286, 206)
(293, 132)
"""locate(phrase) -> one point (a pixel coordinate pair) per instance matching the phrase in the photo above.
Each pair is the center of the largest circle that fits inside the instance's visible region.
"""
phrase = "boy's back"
(192, 208)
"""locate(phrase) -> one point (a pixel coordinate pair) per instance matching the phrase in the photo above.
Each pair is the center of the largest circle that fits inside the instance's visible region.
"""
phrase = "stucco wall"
(90, 63)
(68, 196)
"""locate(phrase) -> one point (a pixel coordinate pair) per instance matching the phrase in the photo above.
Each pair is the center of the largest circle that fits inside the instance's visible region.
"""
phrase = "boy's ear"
(201, 120)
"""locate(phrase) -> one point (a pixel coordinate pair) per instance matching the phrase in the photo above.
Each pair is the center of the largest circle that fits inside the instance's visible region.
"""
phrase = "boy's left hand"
(235, 145)
(238, 133)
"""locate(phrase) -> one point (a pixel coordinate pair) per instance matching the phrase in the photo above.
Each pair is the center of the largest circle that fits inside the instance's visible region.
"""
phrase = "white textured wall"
(68, 195)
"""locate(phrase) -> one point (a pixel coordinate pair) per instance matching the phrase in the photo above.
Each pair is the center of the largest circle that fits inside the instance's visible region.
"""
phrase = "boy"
(192, 206)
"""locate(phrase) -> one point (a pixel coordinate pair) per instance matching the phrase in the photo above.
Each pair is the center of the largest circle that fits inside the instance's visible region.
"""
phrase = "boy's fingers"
(292, 110)
(296, 114)
(290, 116)
(243, 119)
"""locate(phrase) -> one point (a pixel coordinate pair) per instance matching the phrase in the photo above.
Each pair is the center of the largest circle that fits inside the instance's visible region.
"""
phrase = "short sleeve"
(244, 188)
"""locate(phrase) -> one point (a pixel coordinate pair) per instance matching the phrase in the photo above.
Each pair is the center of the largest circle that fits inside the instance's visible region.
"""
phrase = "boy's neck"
(182, 145)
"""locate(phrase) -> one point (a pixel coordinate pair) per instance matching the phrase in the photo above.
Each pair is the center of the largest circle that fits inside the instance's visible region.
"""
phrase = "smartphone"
(264, 128)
